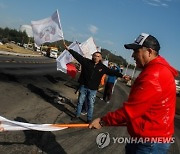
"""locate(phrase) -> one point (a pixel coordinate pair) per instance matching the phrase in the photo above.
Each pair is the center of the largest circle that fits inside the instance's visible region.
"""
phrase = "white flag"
(105, 62)
(10, 125)
(65, 58)
(99, 49)
(47, 30)
(88, 48)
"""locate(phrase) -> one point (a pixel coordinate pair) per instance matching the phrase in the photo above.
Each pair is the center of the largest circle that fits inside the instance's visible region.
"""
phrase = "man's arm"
(112, 72)
(75, 54)
(116, 118)
(140, 100)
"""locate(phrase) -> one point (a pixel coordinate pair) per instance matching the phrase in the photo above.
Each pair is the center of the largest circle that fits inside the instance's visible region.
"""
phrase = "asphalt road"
(30, 93)
(27, 65)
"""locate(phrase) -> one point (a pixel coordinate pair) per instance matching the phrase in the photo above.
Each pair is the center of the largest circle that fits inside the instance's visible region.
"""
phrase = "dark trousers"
(108, 91)
(147, 148)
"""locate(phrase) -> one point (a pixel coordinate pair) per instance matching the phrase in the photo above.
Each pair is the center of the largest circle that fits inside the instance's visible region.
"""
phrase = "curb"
(18, 54)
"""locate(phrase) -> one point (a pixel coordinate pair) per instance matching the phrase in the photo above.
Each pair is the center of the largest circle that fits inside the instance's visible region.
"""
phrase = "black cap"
(144, 40)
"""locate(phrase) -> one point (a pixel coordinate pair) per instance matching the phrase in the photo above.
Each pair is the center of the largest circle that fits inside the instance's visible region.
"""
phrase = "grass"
(10, 47)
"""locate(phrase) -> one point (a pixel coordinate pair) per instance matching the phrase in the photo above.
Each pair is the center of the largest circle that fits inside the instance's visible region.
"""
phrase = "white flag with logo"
(47, 30)
(88, 48)
(65, 58)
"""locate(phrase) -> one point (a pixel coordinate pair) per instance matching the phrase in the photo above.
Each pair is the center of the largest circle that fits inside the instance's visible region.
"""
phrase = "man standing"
(110, 83)
(150, 109)
(90, 77)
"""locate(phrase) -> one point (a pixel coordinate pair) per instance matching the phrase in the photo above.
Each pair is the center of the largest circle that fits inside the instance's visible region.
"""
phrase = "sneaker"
(101, 98)
(60, 102)
(83, 113)
(108, 102)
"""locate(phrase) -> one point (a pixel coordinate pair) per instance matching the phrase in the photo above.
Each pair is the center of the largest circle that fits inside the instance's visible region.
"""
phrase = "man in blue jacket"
(110, 83)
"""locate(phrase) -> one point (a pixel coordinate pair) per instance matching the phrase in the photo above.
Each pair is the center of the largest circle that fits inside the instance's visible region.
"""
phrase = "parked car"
(53, 52)
(25, 45)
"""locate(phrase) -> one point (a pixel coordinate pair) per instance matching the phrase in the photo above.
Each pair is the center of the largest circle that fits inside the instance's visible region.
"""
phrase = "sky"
(112, 23)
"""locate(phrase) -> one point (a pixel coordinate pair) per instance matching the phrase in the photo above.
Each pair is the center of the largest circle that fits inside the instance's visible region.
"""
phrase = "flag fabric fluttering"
(88, 48)
(105, 62)
(64, 60)
(99, 49)
(10, 125)
(47, 30)
(71, 70)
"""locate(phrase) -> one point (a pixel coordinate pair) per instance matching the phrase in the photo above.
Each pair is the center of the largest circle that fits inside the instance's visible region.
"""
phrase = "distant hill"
(113, 58)
(105, 53)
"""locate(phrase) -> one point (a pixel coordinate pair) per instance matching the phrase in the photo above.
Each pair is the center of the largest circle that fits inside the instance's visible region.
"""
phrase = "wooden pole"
(133, 71)
(77, 125)
(72, 125)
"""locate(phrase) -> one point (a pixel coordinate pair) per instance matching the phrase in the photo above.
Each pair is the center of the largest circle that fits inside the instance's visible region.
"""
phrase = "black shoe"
(89, 121)
(75, 118)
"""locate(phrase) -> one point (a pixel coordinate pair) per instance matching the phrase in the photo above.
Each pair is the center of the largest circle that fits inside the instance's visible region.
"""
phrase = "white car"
(53, 53)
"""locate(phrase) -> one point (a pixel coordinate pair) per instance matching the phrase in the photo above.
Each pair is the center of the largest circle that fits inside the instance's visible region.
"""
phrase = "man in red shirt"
(150, 109)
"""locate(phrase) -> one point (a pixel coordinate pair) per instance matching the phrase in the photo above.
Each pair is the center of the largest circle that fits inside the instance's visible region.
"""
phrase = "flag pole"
(133, 71)
(61, 27)
(71, 125)
(78, 125)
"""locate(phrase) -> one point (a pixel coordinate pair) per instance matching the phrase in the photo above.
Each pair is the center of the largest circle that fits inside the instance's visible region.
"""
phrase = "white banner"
(65, 57)
(10, 125)
(105, 62)
(47, 30)
(88, 48)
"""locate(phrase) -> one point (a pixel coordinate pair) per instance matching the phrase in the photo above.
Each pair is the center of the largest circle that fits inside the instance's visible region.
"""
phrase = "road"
(27, 65)
(30, 92)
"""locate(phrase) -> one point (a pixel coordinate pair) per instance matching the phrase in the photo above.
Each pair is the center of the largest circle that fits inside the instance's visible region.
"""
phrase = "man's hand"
(95, 123)
(126, 77)
(66, 47)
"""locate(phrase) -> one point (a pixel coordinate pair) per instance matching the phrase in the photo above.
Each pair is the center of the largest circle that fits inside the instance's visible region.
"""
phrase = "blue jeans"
(90, 95)
(147, 148)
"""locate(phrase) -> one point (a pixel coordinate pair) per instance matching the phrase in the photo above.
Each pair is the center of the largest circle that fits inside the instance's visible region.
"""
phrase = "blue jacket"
(112, 79)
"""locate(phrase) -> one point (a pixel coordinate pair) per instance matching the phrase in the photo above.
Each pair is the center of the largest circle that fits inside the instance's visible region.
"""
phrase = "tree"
(13, 35)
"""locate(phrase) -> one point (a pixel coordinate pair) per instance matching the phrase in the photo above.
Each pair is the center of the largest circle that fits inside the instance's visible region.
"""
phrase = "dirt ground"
(10, 47)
